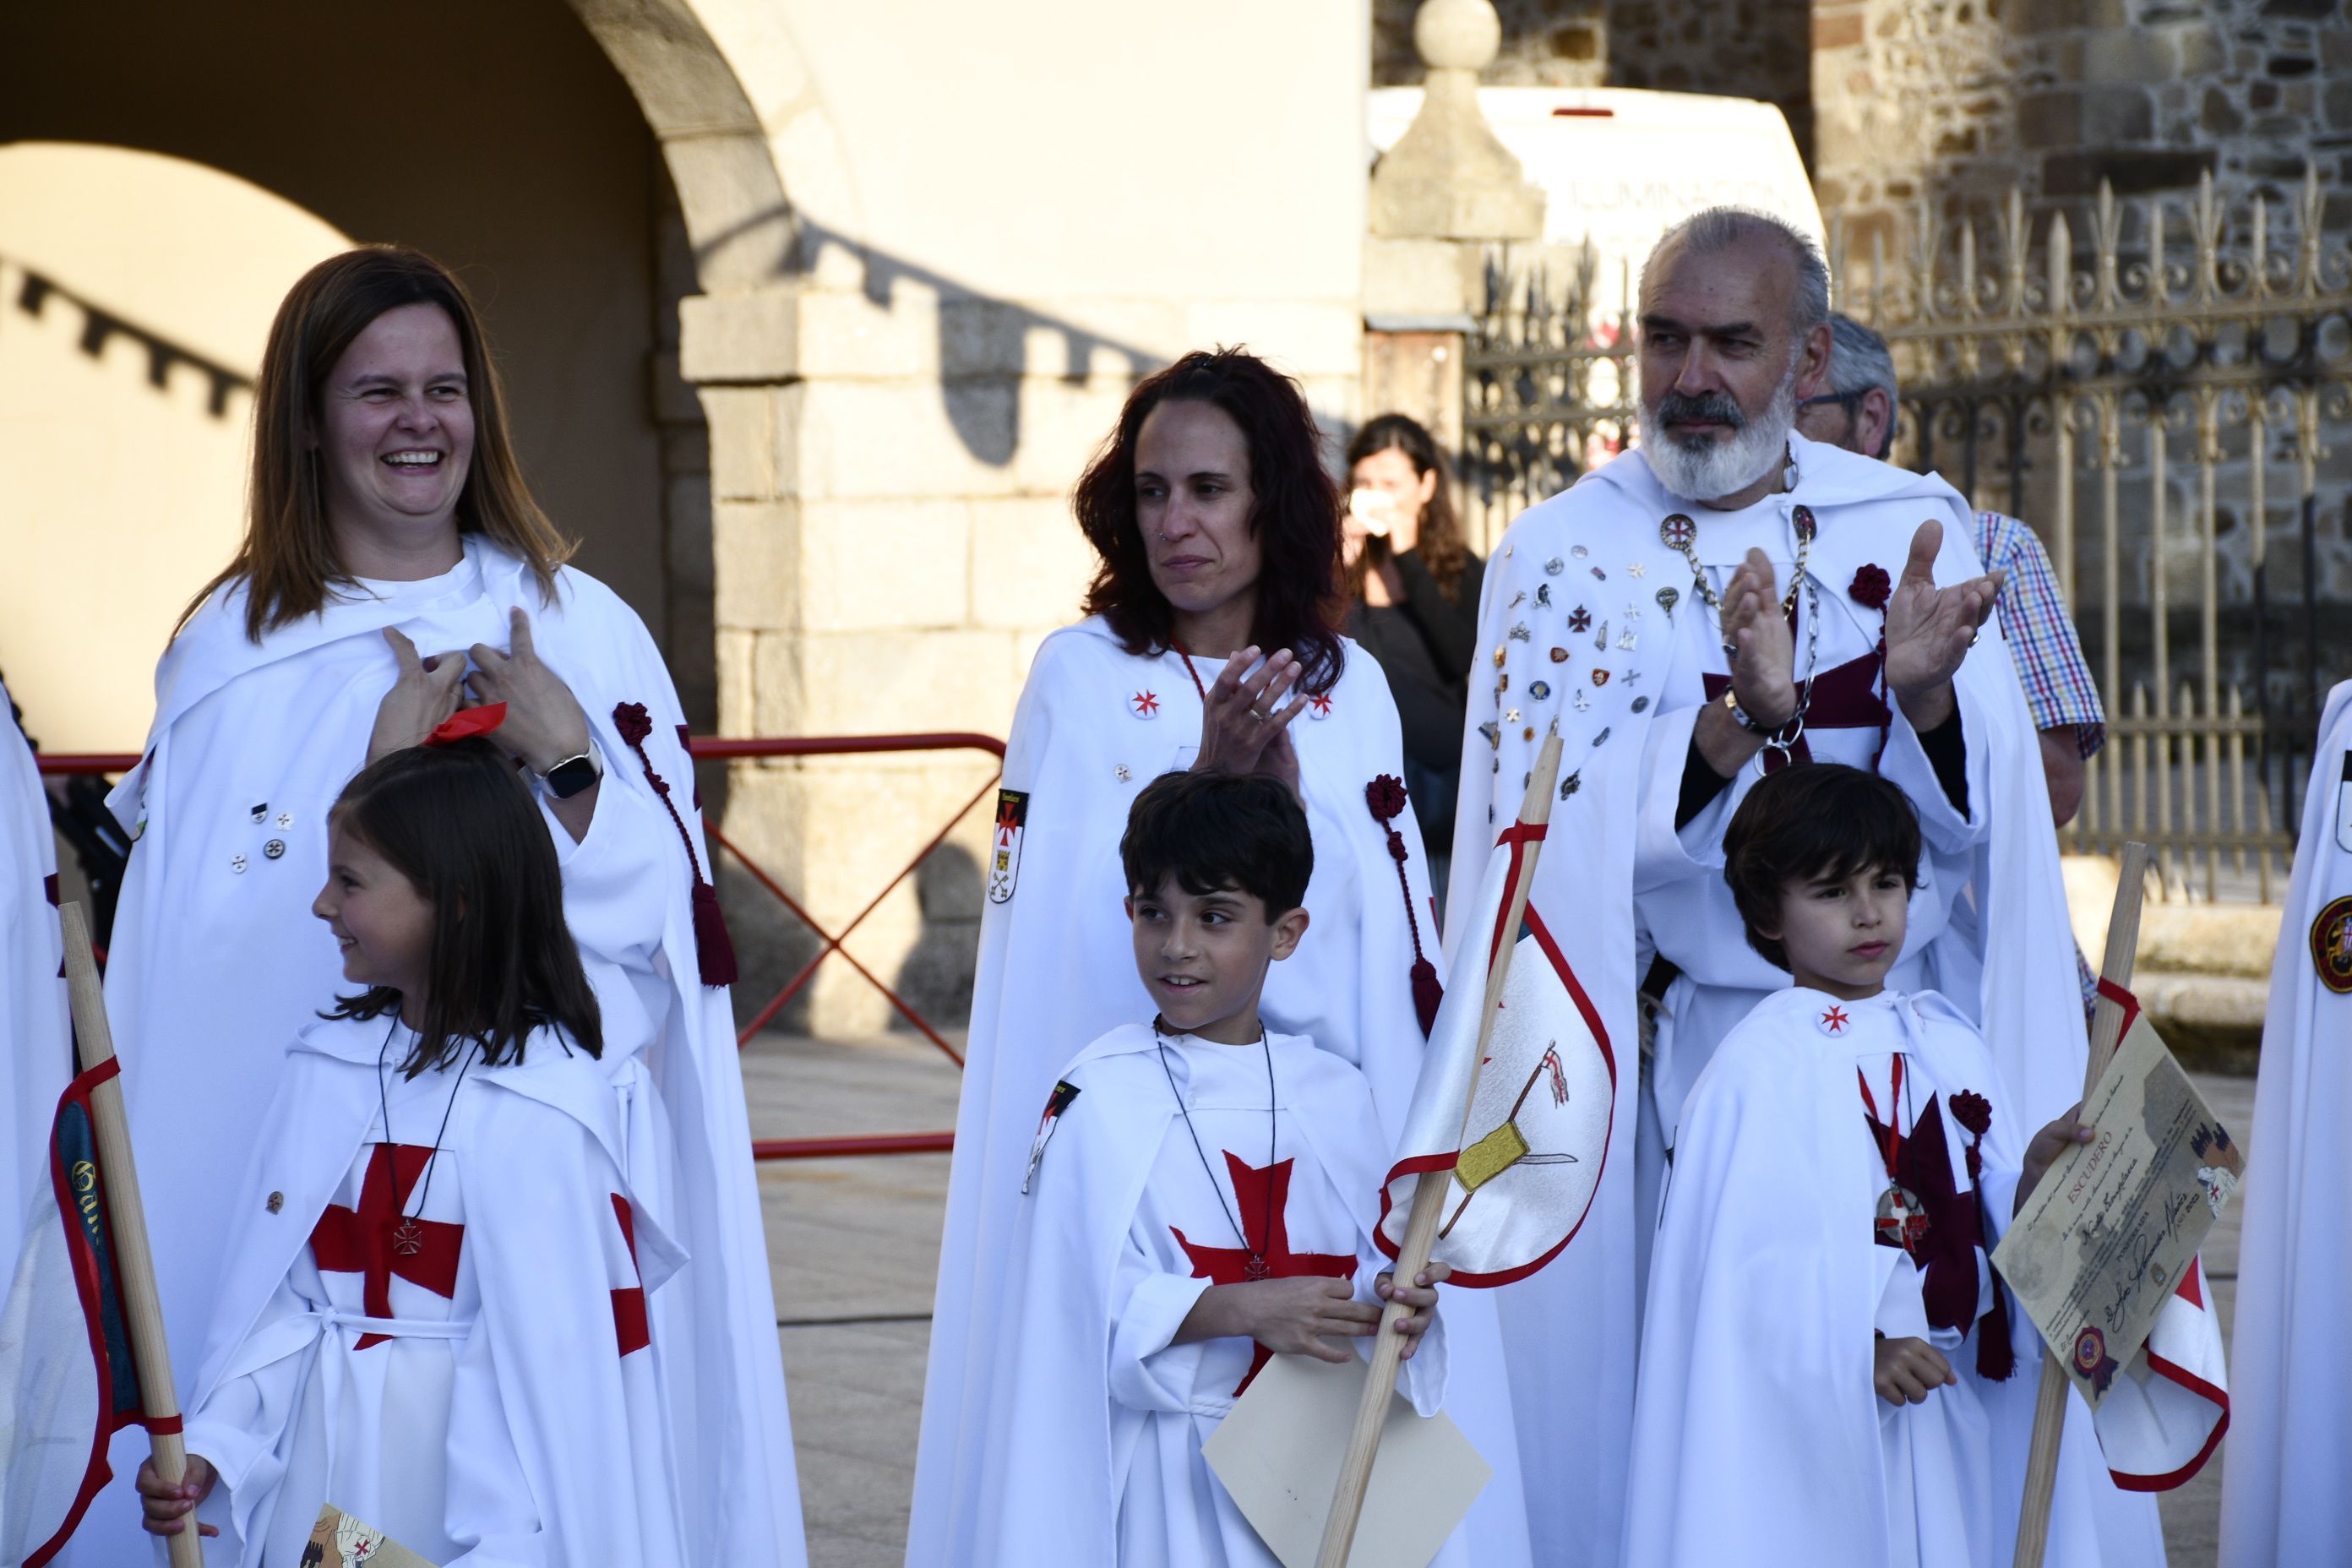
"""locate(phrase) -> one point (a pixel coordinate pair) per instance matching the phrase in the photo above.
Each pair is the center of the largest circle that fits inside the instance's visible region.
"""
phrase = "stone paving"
(853, 1245)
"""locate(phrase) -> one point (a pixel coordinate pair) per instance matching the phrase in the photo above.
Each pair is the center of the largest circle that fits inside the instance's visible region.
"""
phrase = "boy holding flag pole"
(1510, 1126)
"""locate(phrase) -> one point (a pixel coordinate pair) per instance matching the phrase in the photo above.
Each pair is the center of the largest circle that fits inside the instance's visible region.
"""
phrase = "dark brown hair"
(1296, 515)
(1439, 544)
(1212, 831)
(458, 823)
(286, 559)
(1813, 822)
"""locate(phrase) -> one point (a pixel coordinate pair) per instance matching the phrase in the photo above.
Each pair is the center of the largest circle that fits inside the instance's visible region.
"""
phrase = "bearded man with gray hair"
(1730, 598)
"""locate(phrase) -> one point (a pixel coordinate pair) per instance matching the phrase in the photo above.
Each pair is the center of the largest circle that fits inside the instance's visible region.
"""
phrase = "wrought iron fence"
(2161, 387)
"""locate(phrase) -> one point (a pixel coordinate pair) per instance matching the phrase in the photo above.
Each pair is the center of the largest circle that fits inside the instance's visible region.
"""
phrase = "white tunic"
(217, 958)
(1092, 1452)
(1758, 1435)
(2290, 1443)
(486, 1399)
(1623, 883)
(33, 1032)
(1056, 969)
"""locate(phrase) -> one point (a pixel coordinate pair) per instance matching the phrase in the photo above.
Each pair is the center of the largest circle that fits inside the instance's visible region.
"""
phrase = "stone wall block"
(913, 437)
(884, 565)
(1301, 337)
(758, 546)
(2112, 114)
(780, 696)
(1061, 423)
(847, 335)
(864, 683)
(753, 434)
(983, 338)
(1029, 565)
(751, 337)
(736, 657)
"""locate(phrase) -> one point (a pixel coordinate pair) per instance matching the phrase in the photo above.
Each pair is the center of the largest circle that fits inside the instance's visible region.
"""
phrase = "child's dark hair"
(459, 824)
(1813, 822)
(1212, 831)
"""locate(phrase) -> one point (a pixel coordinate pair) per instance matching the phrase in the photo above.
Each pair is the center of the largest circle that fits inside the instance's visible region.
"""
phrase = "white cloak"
(2283, 1490)
(1625, 884)
(217, 957)
(33, 1035)
(511, 1425)
(1056, 969)
(1093, 1449)
(1758, 1435)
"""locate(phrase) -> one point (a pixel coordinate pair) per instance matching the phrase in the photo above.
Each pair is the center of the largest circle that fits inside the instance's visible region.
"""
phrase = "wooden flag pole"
(2106, 1030)
(1428, 1204)
(143, 1310)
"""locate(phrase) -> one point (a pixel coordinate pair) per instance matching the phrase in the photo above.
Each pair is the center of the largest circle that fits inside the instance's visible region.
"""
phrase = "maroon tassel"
(1426, 991)
(1995, 1357)
(714, 949)
(1385, 797)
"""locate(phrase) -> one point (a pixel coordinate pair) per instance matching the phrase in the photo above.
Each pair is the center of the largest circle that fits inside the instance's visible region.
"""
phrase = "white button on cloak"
(237, 863)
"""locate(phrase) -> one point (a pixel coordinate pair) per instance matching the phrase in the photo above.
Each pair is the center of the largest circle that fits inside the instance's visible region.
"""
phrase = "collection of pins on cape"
(1550, 654)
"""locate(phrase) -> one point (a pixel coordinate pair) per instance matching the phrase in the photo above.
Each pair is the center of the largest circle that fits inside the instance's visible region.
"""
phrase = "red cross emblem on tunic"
(363, 1240)
(1320, 704)
(1262, 1195)
(1833, 1022)
(1146, 704)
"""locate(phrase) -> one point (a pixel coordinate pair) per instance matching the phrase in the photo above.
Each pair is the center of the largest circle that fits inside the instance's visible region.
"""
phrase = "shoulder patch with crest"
(1004, 845)
(1056, 1103)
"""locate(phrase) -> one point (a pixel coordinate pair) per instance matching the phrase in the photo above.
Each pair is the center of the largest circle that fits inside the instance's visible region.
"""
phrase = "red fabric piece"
(1385, 797)
(1845, 698)
(359, 1241)
(1263, 1196)
(468, 721)
(714, 949)
(629, 1323)
(162, 1426)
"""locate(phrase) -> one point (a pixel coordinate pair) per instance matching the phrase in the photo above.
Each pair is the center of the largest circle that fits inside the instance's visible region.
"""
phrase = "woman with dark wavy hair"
(1211, 641)
(397, 575)
(1412, 601)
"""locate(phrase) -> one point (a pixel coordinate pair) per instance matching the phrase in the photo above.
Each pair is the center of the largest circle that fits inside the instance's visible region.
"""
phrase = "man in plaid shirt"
(1855, 409)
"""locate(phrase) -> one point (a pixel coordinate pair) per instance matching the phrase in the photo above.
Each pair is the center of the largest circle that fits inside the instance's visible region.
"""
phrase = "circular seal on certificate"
(2090, 1350)
(2331, 945)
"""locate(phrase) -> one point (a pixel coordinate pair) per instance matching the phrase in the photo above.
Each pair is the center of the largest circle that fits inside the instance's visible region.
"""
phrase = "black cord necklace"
(408, 1235)
(1254, 1267)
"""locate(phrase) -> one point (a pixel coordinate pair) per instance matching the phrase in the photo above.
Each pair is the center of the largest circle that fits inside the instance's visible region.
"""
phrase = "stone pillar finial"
(1448, 177)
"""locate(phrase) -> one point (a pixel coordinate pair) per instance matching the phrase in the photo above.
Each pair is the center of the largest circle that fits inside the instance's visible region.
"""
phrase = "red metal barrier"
(747, 750)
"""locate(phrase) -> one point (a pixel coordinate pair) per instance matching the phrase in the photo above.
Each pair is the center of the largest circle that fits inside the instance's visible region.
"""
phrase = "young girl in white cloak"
(1821, 1311)
(433, 1307)
(1199, 1198)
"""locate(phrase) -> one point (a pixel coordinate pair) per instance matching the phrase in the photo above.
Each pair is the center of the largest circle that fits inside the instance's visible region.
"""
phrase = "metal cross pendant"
(408, 1238)
(1256, 1268)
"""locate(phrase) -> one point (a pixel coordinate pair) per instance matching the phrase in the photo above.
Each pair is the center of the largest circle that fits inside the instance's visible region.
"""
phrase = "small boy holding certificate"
(1199, 1197)
(1821, 1308)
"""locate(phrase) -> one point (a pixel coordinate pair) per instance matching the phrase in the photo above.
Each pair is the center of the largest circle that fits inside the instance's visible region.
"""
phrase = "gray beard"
(1707, 469)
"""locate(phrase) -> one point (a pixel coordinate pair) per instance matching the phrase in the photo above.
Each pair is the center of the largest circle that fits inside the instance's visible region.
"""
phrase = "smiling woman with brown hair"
(394, 570)
(1211, 642)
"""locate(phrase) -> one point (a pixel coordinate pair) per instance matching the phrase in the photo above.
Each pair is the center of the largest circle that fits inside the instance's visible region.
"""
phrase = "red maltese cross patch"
(1144, 705)
(1834, 1021)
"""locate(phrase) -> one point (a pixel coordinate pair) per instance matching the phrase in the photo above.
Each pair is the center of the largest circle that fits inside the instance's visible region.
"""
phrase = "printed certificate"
(2117, 1222)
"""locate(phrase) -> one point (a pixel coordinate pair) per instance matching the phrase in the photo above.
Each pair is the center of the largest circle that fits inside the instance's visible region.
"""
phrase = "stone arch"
(738, 217)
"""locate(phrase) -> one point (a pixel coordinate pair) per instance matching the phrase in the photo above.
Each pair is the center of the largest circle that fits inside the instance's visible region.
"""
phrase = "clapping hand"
(423, 695)
(545, 723)
(1929, 630)
(1245, 728)
(1763, 662)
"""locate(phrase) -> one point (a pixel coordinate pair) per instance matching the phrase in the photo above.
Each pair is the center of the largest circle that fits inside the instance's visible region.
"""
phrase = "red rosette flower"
(1385, 796)
(632, 721)
(1971, 1111)
(1870, 587)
